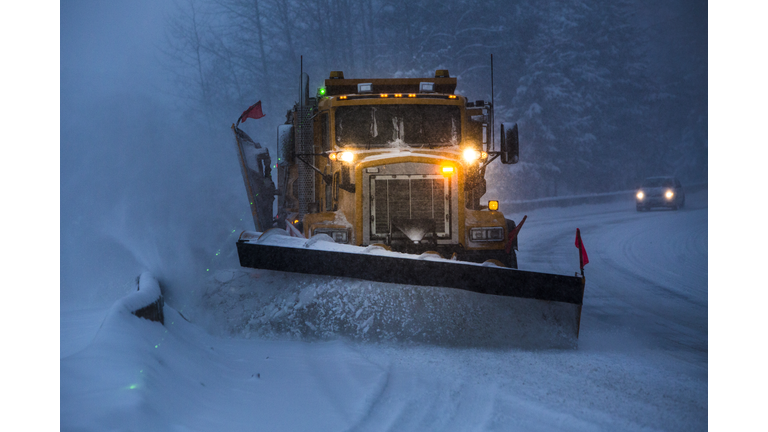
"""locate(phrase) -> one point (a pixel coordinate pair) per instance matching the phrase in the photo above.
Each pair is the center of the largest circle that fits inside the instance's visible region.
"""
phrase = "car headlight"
(486, 234)
(338, 235)
(669, 194)
(640, 195)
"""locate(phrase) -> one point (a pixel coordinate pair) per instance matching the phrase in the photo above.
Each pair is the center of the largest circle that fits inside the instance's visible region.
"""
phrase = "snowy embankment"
(138, 374)
(289, 352)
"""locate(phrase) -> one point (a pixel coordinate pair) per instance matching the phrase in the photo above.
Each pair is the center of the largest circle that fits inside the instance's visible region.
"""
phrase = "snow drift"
(268, 304)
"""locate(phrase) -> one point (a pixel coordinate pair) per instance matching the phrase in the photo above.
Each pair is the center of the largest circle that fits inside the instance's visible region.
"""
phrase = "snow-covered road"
(264, 351)
(647, 276)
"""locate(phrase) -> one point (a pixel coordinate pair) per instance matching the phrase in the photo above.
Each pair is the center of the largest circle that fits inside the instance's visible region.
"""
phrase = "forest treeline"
(596, 111)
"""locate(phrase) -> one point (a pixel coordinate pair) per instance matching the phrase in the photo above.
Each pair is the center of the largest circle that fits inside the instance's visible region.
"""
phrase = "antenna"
(493, 118)
(301, 80)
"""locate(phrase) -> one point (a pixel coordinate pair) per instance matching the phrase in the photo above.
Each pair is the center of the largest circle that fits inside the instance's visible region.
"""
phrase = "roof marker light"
(427, 87)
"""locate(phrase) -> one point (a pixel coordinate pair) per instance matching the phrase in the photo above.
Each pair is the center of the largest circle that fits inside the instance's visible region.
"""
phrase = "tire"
(512, 260)
(510, 226)
(639, 208)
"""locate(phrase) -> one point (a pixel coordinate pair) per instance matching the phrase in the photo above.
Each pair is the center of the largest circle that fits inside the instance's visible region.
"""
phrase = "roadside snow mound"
(269, 304)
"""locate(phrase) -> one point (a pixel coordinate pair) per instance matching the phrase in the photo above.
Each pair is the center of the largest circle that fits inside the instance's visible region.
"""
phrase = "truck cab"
(395, 162)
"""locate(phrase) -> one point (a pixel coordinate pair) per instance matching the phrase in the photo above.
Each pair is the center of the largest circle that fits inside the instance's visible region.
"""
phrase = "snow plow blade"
(298, 255)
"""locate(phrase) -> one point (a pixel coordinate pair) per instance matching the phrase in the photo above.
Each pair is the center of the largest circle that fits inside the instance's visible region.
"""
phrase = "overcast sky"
(109, 47)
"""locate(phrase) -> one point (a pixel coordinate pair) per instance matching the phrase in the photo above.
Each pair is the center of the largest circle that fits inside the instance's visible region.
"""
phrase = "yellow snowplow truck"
(396, 166)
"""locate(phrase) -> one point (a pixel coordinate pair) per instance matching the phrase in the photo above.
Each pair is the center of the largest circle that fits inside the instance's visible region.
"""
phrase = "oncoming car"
(660, 192)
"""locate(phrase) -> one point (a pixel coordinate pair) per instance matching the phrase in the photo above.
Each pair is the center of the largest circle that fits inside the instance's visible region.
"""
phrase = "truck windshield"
(376, 126)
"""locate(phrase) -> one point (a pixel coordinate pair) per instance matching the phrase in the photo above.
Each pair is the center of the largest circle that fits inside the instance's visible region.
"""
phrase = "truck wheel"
(512, 259)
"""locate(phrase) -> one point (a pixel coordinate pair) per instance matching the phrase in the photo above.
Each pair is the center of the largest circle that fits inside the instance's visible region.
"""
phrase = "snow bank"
(138, 375)
(146, 302)
(274, 305)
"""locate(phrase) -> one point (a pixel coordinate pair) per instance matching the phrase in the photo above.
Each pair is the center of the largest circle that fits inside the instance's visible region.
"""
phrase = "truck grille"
(409, 197)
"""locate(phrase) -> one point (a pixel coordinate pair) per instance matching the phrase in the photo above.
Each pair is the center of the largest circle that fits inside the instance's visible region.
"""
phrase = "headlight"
(470, 155)
(346, 156)
(669, 194)
(486, 234)
(640, 195)
(338, 235)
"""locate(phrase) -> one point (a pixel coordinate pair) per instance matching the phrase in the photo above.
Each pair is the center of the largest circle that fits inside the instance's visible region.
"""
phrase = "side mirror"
(285, 144)
(510, 144)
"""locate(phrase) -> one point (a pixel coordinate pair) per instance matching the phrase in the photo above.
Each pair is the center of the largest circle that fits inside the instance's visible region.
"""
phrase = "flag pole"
(583, 257)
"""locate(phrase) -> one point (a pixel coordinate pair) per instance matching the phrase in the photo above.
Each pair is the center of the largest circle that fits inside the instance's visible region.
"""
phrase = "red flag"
(513, 235)
(253, 111)
(583, 258)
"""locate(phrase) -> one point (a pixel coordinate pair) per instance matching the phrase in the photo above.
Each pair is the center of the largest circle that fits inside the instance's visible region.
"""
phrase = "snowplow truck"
(399, 164)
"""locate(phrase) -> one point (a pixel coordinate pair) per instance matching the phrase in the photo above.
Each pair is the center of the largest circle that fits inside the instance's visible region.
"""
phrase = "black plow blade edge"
(479, 279)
